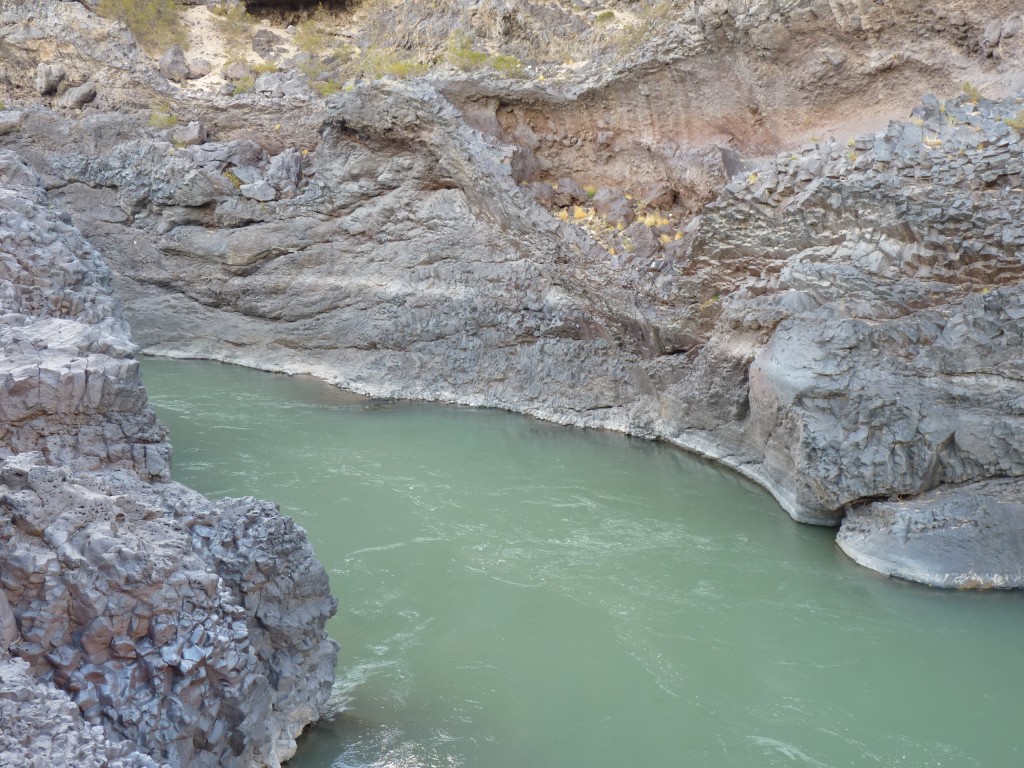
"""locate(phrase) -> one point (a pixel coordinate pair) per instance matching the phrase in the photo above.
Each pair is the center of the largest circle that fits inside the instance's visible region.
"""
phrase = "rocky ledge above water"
(140, 623)
(843, 324)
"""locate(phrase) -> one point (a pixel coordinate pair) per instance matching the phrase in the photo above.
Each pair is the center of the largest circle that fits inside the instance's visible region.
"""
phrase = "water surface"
(515, 594)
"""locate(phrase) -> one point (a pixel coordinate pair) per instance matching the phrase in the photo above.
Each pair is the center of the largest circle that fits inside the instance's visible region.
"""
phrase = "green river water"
(514, 593)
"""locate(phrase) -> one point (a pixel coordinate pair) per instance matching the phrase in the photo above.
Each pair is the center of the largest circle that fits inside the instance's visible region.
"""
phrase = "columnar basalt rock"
(821, 303)
(840, 325)
(180, 630)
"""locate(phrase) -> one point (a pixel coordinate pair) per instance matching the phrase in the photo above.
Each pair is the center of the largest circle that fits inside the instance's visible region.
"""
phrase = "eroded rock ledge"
(140, 624)
(843, 324)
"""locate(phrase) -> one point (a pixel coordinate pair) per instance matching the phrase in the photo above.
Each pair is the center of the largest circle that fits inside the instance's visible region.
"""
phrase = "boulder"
(198, 68)
(48, 78)
(611, 203)
(236, 70)
(660, 196)
(258, 190)
(267, 44)
(191, 134)
(79, 96)
(285, 169)
(173, 65)
(542, 192)
(569, 192)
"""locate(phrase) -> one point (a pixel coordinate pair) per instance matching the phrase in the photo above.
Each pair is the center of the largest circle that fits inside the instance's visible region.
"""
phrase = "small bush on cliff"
(1016, 122)
(379, 62)
(245, 84)
(235, 26)
(326, 87)
(156, 24)
(310, 35)
(972, 92)
(162, 118)
(462, 55)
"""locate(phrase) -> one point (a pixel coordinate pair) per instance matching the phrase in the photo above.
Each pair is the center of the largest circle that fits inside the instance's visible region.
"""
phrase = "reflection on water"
(515, 593)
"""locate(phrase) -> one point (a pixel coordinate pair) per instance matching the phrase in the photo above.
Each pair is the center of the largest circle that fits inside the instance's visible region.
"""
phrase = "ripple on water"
(513, 593)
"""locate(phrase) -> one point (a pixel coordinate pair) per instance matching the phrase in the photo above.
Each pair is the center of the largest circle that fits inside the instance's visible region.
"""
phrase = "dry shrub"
(156, 24)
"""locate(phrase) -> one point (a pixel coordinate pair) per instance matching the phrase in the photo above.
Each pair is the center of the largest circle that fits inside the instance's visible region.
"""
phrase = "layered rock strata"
(841, 325)
(145, 623)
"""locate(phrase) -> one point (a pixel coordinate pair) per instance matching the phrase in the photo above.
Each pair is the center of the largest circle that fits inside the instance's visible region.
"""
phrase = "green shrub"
(461, 55)
(235, 27)
(245, 84)
(233, 178)
(326, 88)
(648, 22)
(604, 17)
(156, 24)
(310, 38)
(508, 65)
(263, 67)
(161, 117)
(972, 92)
(379, 62)
(1016, 122)
(309, 33)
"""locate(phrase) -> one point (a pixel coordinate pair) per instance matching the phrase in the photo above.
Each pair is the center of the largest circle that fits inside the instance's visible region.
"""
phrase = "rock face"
(31, 710)
(842, 324)
(155, 623)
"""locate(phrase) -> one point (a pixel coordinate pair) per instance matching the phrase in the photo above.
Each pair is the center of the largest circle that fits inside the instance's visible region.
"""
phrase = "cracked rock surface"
(842, 323)
(140, 623)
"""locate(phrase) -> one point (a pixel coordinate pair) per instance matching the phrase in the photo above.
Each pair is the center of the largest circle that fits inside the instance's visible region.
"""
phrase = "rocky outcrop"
(842, 324)
(154, 623)
(823, 302)
(193, 631)
(43, 727)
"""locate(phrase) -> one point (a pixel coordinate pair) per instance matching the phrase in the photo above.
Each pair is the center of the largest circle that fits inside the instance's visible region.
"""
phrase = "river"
(514, 593)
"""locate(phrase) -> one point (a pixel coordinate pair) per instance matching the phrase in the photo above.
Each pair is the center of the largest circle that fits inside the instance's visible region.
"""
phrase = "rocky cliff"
(634, 216)
(839, 322)
(140, 624)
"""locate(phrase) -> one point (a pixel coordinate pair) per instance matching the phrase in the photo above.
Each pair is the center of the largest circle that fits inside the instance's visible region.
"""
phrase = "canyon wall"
(140, 623)
(657, 226)
(838, 322)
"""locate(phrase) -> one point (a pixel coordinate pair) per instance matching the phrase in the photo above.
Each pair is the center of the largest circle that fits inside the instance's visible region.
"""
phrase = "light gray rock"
(278, 84)
(285, 169)
(235, 71)
(191, 134)
(173, 65)
(258, 190)
(42, 727)
(164, 616)
(79, 96)
(968, 537)
(48, 78)
(8, 624)
(190, 631)
(198, 68)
